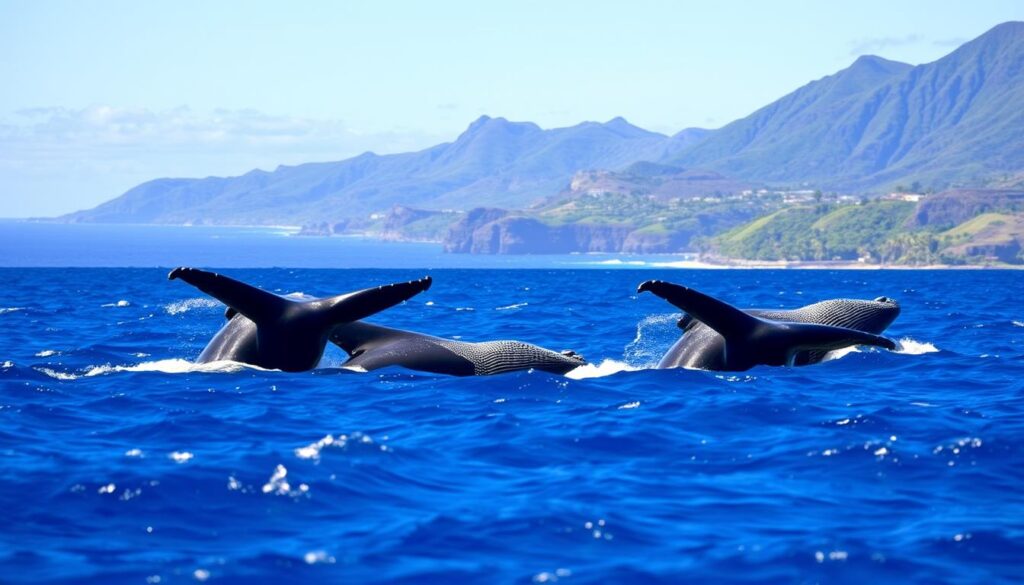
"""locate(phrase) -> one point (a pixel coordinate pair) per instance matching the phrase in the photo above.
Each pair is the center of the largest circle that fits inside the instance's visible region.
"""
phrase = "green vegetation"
(876, 232)
(652, 216)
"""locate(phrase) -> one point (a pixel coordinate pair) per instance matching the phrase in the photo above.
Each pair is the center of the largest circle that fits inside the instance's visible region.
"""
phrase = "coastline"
(682, 261)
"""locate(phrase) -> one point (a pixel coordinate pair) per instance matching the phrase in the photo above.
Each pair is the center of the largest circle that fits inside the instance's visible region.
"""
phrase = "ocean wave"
(513, 306)
(120, 303)
(5, 310)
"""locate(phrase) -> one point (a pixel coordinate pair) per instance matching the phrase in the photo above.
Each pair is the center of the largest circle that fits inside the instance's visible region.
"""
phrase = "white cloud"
(112, 127)
(54, 160)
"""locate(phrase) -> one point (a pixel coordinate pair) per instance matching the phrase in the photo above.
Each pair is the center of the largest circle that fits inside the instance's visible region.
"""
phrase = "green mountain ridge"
(954, 121)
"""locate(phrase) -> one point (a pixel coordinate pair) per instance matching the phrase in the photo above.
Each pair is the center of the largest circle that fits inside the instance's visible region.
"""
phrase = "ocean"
(124, 462)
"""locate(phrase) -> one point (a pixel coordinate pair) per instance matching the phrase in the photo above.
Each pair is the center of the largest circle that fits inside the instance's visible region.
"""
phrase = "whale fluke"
(282, 333)
(751, 340)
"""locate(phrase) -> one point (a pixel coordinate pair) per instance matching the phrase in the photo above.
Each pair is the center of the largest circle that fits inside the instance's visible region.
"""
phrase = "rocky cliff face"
(496, 231)
(950, 208)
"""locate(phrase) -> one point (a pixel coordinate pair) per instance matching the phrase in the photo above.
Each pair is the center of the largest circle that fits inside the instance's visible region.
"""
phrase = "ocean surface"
(123, 462)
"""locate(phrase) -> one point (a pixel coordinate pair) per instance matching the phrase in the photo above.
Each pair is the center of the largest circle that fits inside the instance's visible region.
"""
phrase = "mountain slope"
(955, 120)
(494, 161)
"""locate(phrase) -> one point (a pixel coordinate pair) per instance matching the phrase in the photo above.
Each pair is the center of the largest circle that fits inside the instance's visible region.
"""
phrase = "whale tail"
(751, 340)
(261, 306)
(291, 334)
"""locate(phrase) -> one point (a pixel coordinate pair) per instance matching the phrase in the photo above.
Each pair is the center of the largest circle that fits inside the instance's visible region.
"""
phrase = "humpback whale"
(274, 332)
(719, 336)
(372, 346)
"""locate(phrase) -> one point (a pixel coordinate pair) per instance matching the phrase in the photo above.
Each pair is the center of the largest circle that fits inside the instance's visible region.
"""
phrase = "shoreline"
(588, 259)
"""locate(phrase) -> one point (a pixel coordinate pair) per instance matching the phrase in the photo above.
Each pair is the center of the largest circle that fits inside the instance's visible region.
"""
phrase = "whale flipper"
(751, 340)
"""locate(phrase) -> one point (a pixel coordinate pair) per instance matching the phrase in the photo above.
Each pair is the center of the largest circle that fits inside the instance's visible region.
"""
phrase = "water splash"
(188, 304)
(605, 368)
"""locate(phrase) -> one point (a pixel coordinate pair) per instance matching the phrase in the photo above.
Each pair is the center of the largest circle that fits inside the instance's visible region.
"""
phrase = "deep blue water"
(122, 464)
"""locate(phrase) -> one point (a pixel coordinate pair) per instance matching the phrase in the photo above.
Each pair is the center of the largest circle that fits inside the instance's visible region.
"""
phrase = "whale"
(274, 332)
(719, 336)
(371, 347)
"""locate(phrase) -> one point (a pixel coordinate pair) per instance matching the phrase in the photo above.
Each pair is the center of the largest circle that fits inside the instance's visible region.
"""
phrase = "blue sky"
(100, 96)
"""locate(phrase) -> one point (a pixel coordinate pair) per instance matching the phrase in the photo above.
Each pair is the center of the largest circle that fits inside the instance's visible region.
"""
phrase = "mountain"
(957, 120)
(494, 161)
(954, 122)
(663, 182)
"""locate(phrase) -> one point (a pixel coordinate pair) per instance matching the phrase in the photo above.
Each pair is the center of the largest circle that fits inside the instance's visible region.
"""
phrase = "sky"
(100, 96)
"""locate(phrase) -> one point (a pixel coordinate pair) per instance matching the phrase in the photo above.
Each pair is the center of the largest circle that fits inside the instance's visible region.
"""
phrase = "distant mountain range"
(956, 121)
(494, 162)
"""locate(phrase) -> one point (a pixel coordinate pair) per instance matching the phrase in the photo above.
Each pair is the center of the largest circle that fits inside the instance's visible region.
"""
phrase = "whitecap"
(606, 368)
(7, 364)
(46, 353)
(630, 405)
(513, 306)
(278, 483)
(617, 262)
(5, 310)
(189, 304)
(1017, 323)
(318, 556)
(57, 375)
(910, 346)
(181, 456)
(313, 450)
(121, 303)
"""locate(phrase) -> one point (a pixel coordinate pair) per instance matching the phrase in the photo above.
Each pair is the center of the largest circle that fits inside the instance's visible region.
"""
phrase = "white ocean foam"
(121, 303)
(181, 456)
(189, 304)
(58, 375)
(318, 556)
(7, 364)
(910, 346)
(173, 366)
(313, 450)
(514, 306)
(5, 310)
(1017, 323)
(279, 486)
(840, 353)
(46, 353)
(618, 262)
(605, 368)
